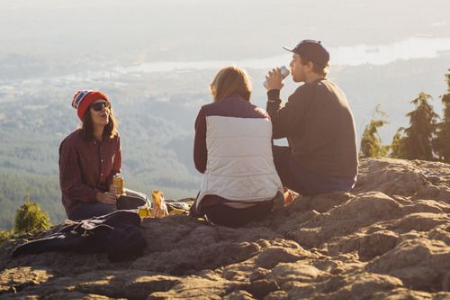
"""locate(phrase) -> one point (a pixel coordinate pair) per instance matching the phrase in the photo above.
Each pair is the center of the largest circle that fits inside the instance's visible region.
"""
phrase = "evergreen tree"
(442, 142)
(397, 149)
(417, 140)
(370, 141)
(30, 217)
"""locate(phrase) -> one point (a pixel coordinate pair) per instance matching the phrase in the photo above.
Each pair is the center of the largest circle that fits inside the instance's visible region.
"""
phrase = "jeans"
(96, 209)
(303, 181)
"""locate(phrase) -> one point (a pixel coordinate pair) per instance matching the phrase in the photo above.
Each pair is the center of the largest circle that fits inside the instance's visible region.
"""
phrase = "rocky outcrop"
(388, 239)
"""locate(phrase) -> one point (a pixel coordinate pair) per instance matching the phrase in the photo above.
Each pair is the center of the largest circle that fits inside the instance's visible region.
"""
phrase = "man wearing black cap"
(318, 124)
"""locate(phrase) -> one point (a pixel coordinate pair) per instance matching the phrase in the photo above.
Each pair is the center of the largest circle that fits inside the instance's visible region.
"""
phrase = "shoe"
(288, 197)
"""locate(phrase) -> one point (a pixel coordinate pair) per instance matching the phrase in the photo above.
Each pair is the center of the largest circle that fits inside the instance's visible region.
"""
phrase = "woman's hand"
(112, 189)
(107, 197)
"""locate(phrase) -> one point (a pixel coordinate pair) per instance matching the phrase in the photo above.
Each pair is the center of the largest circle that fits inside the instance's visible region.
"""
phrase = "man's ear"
(309, 66)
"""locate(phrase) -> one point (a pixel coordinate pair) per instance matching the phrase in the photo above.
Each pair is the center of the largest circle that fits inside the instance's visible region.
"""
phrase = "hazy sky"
(171, 30)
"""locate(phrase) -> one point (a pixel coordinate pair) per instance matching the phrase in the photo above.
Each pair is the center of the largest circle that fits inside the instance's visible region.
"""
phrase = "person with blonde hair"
(233, 149)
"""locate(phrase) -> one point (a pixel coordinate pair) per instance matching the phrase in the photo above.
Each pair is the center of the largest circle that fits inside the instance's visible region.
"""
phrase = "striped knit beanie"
(82, 100)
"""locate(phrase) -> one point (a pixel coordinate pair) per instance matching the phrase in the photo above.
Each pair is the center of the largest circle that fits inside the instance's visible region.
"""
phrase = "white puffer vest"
(240, 164)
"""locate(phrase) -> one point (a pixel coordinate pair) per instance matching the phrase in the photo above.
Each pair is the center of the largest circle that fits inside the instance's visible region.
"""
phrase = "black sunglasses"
(99, 105)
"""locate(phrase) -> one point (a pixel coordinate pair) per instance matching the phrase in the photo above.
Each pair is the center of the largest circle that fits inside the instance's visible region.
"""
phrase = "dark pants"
(303, 181)
(225, 215)
(96, 209)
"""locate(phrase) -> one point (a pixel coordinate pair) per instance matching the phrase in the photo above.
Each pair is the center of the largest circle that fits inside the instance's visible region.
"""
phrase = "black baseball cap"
(312, 50)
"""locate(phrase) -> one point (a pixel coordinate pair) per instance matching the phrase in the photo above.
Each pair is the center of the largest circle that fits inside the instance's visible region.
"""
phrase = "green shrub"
(30, 218)
(5, 235)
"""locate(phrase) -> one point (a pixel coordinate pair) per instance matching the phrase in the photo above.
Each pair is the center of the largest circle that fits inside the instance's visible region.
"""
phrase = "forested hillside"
(156, 131)
(16, 184)
(156, 112)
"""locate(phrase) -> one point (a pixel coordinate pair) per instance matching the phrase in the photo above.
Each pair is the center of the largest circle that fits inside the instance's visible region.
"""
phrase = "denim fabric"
(96, 209)
(90, 210)
(304, 181)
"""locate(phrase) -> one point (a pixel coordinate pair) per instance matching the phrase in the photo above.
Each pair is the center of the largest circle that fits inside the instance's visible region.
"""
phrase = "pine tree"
(397, 149)
(30, 218)
(370, 141)
(442, 142)
(417, 140)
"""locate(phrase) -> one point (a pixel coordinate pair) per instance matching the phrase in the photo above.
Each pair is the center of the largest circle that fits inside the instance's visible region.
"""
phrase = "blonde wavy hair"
(231, 80)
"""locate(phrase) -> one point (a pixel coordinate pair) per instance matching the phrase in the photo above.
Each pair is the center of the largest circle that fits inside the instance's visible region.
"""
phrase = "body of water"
(411, 48)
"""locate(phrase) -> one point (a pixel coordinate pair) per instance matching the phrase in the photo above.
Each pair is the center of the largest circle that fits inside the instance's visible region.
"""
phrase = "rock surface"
(388, 239)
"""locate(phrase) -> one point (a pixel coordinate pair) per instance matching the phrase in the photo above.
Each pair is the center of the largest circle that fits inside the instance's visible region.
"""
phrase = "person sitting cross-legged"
(234, 152)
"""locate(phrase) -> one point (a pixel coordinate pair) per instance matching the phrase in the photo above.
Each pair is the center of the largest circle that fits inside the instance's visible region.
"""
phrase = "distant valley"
(157, 113)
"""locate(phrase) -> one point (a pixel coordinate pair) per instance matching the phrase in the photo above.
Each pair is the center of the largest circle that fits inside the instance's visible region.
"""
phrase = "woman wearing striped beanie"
(89, 158)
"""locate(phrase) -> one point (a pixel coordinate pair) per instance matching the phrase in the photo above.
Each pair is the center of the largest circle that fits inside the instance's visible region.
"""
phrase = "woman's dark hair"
(87, 130)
